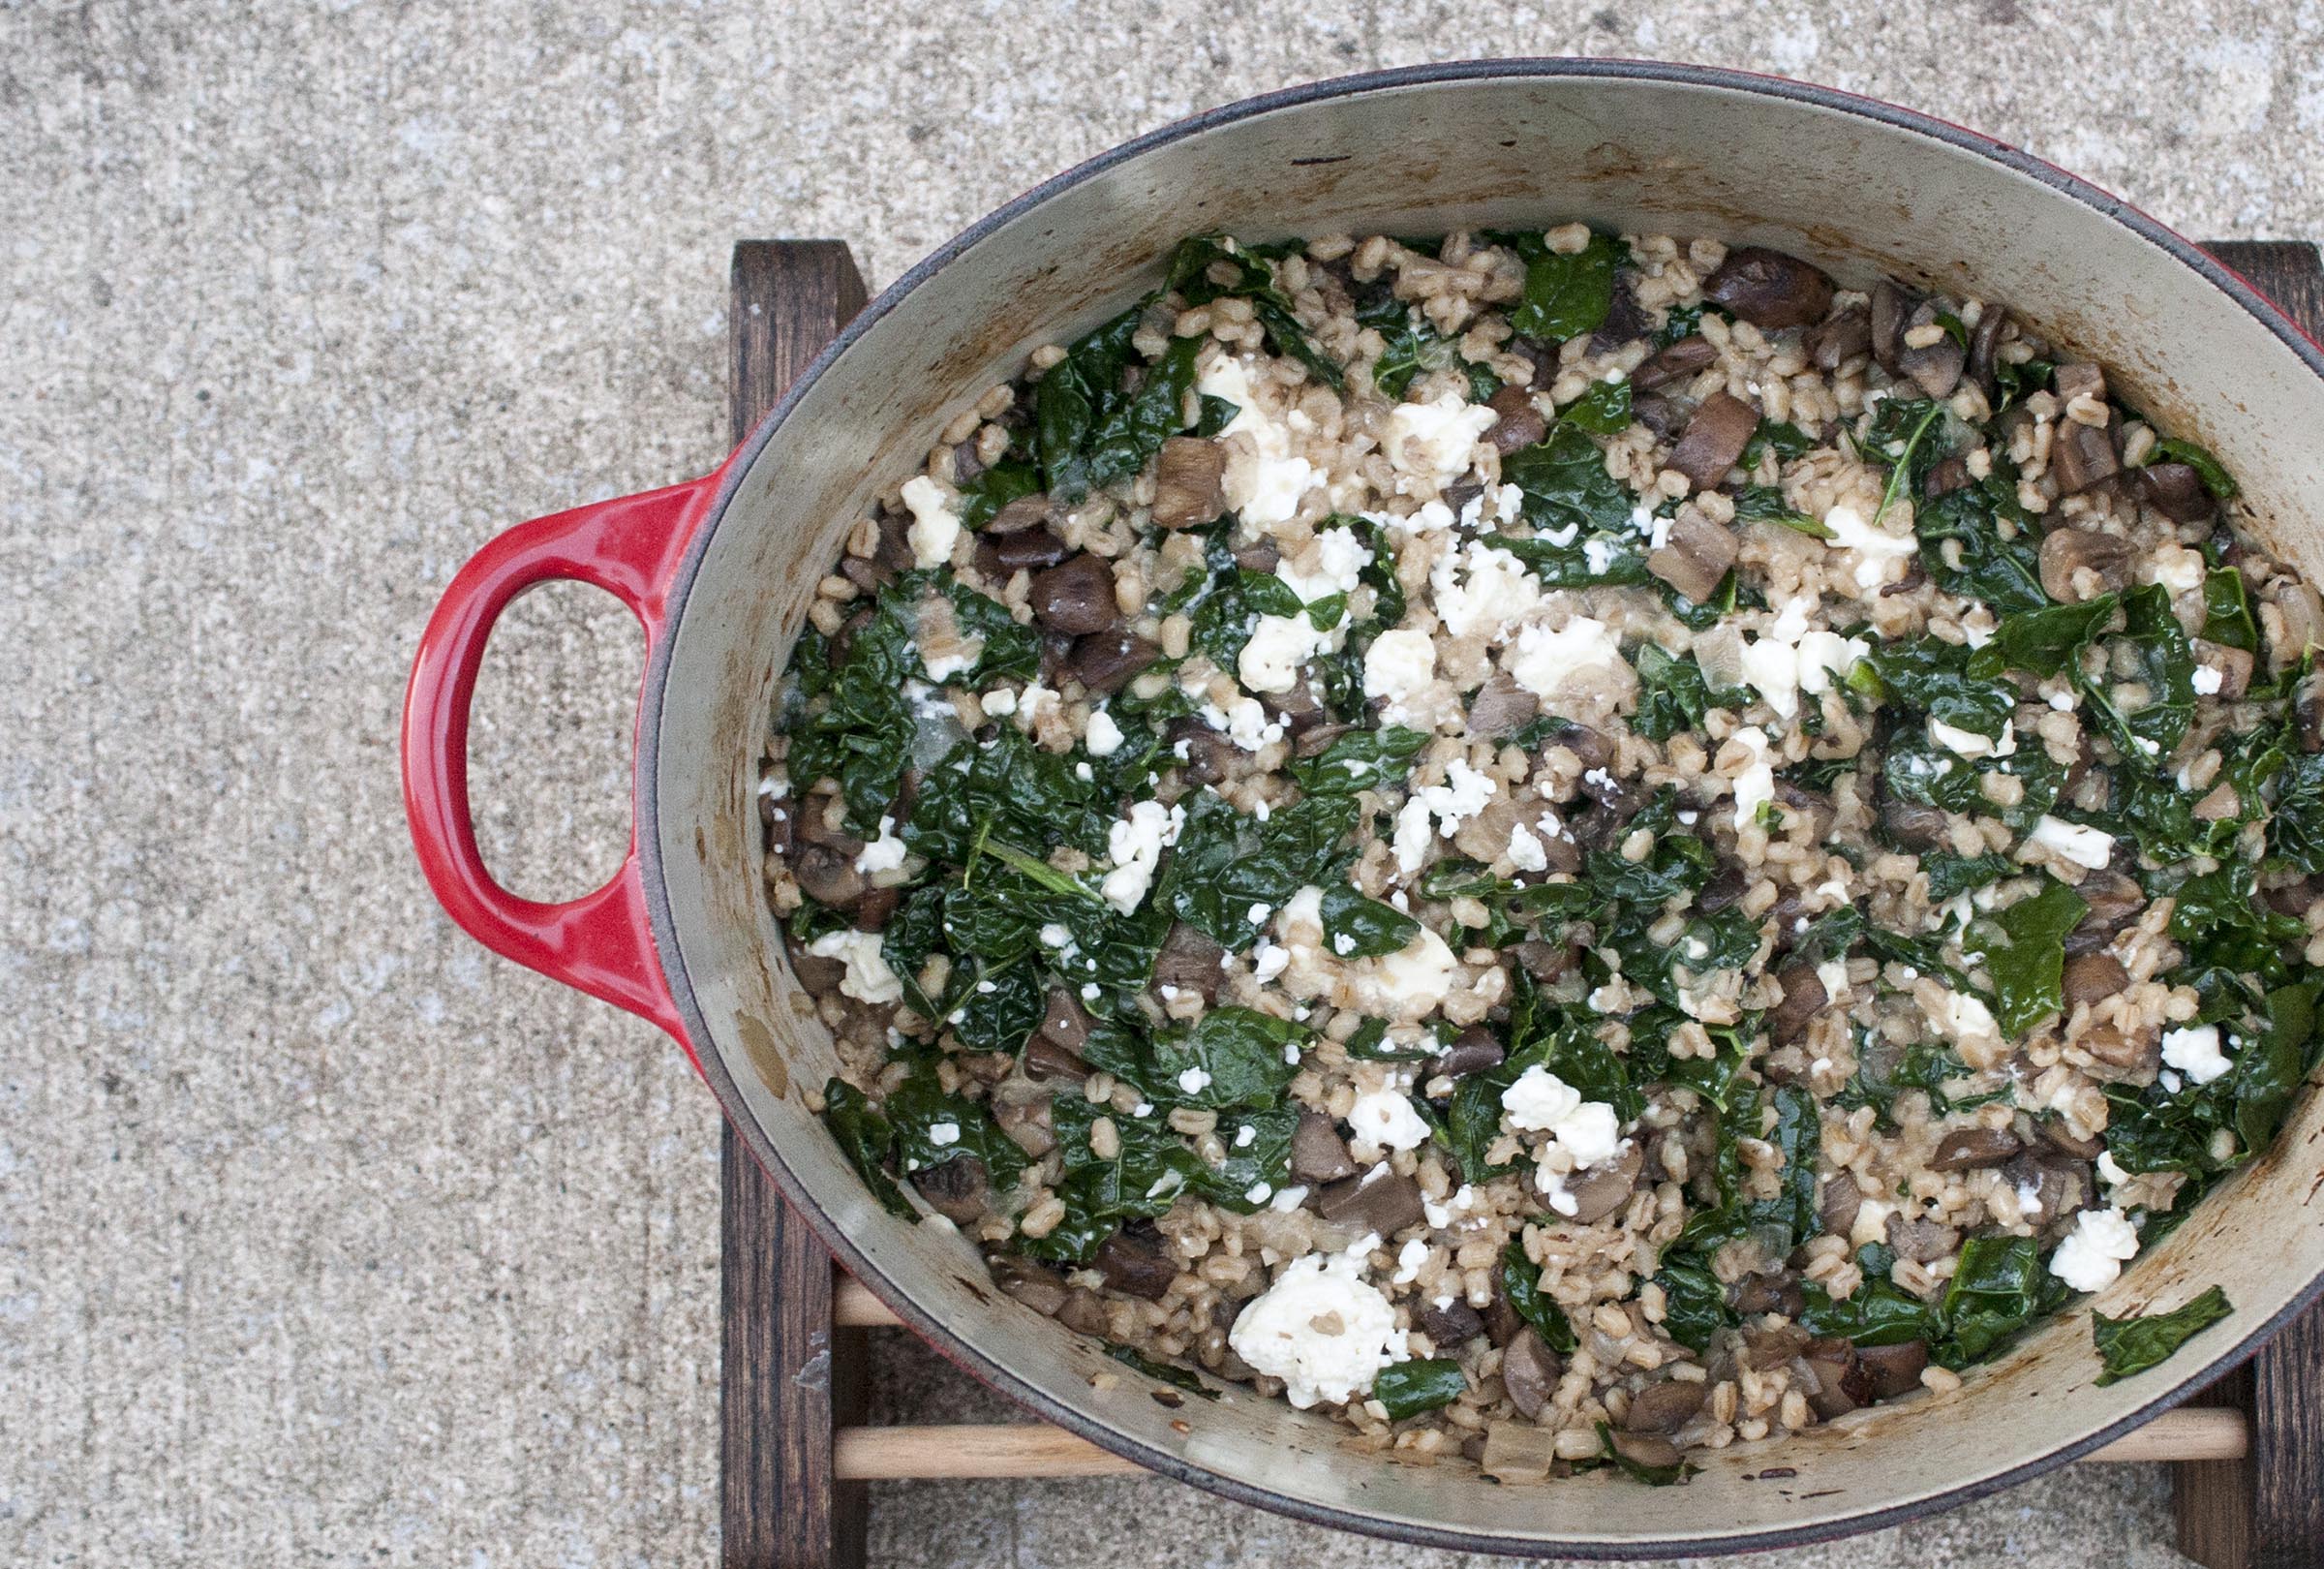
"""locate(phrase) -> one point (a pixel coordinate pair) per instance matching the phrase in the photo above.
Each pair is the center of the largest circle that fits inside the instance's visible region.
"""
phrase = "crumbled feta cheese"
(1340, 560)
(943, 1134)
(1244, 722)
(2194, 1051)
(1754, 787)
(1103, 737)
(998, 703)
(1414, 833)
(1413, 981)
(935, 527)
(1385, 1118)
(1970, 744)
(1266, 488)
(885, 853)
(1288, 1199)
(1542, 1103)
(1267, 960)
(1429, 443)
(1825, 657)
(867, 978)
(2083, 846)
(1136, 843)
(1399, 667)
(2094, 1251)
(2110, 1172)
(1879, 555)
(1833, 974)
(1871, 1224)
(1054, 934)
(2062, 702)
(1193, 1082)
(1408, 1260)
(1966, 1018)
(1482, 590)
(1322, 1329)
(1278, 646)
(1245, 1136)
(1035, 703)
(2175, 568)
(962, 655)
(1461, 796)
(1545, 659)
(2206, 681)
(1525, 852)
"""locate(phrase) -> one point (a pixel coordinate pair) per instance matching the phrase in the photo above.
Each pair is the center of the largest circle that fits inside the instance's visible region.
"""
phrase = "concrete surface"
(323, 1238)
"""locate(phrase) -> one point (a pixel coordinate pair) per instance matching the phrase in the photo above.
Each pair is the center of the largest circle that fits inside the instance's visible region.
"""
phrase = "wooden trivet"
(2247, 1453)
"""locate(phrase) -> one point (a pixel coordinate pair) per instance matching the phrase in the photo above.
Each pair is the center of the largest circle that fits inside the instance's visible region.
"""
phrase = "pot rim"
(955, 1347)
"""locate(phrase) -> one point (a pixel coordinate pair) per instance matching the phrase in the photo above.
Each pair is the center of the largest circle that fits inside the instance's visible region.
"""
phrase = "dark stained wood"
(2267, 1511)
(788, 1378)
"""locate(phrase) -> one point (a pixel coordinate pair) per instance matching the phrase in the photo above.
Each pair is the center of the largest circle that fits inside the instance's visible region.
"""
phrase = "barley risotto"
(1574, 846)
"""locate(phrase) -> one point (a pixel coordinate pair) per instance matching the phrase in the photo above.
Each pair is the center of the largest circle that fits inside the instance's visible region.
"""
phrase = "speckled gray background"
(323, 1238)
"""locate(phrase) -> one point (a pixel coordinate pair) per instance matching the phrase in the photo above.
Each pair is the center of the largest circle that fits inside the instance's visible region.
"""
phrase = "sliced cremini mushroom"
(1674, 363)
(1065, 1020)
(2049, 1186)
(828, 875)
(1769, 289)
(1893, 1369)
(1965, 1149)
(1984, 353)
(1665, 1405)
(1714, 440)
(1603, 1190)
(2092, 977)
(1136, 1267)
(1318, 1154)
(1520, 424)
(2176, 491)
(2114, 900)
(1026, 545)
(1841, 1384)
(1475, 1050)
(1076, 597)
(1038, 1286)
(1764, 1292)
(1502, 707)
(1696, 554)
(1029, 1124)
(2298, 624)
(1922, 1240)
(2082, 457)
(1379, 1200)
(1530, 1372)
(2232, 665)
(1190, 961)
(2121, 1055)
(1189, 483)
(1841, 338)
(1650, 1449)
(1935, 368)
(1453, 1325)
(2082, 563)
(1804, 998)
(1890, 307)
(1046, 1061)
(957, 1189)
(2078, 378)
(1106, 661)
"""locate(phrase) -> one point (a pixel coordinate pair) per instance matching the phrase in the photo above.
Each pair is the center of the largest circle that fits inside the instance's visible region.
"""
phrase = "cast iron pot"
(721, 572)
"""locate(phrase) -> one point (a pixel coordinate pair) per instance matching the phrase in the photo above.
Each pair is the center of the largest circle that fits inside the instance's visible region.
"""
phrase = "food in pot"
(1573, 847)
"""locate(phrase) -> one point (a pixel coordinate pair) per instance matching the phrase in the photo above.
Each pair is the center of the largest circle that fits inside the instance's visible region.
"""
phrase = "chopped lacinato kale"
(1161, 1372)
(1423, 1384)
(2135, 1343)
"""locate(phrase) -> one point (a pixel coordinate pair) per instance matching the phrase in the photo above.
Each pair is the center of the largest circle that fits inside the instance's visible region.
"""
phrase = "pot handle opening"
(601, 943)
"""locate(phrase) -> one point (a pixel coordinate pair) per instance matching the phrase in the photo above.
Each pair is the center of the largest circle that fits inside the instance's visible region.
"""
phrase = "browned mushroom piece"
(1768, 289)
(1544, 961)
(1804, 998)
(1626, 320)
(1260, 556)
(1076, 596)
(1135, 1266)
(876, 908)
(1455, 1324)
(1841, 1383)
(1650, 1449)
(1205, 755)
(2232, 665)
(1530, 1372)
(1503, 1322)
(1893, 1369)
(2050, 1187)
(1727, 887)
(1605, 1188)
(2077, 378)
(1921, 1240)
(1029, 1124)
(1696, 553)
(1945, 478)
(2284, 898)
(1984, 353)
(2082, 563)
(828, 875)
(1502, 707)
(1024, 513)
(1836, 1209)
(1038, 1286)
(1190, 961)
(1593, 749)
(1779, 1292)
(1046, 1061)
(1674, 363)
(1001, 552)
(1189, 483)
(1106, 661)
(2092, 977)
(2300, 617)
(1520, 424)
(1300, 709)
(2114, 900)
(1317, 739)
(957, 1189)
(2121, 1055)
(1934, 367)
(866, 573)
(1474, 1050)
(1714, 439)
(2057, 1138)
(1377, 1201)
(1656, 414)
(2082, 457)
(1966, 1149)
(1890, 307)
(2176, 491)
(1841, 338)
(1065, 1022)
(819, 976)
(1665, 1405)
(1318, 1154)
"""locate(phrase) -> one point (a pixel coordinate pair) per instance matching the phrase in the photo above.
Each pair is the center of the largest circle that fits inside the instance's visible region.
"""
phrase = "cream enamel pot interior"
(721, 572)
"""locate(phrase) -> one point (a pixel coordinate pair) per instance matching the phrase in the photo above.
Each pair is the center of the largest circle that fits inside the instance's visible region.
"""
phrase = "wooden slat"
(1036, 1450)
(2266, 1510)
(787, 1380)
(853, 1306)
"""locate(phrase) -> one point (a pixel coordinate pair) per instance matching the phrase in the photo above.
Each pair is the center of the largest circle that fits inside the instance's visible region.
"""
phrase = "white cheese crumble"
(1461, 796)
(1103, 737)
(943, 1135)
(935, 527)
(2194, 1051)
(2206, 681)
(1136, 843)
(998, 703)
(1970, 744)
(2094, 1251)
(1482, 590)
(1754, 787)
(1340, 560)
(1525, 852)
(963, 656)
(1244, 722)
(1545, 659)
(1385, 1118)
(1322, 1329)
(1278, 646)
(1431, 443)
(1414, 833)
(1542, 1103)
(885, 853)
(1413, 981)
(868, 979)
(1833, 974)
(1408, 1260)
(1399, 667)
(2083, 846)
(1193, 1082)
(1879, 555)
(1266, 490)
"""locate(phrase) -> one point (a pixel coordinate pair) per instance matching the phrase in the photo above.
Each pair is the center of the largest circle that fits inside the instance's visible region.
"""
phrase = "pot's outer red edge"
(966, 1356)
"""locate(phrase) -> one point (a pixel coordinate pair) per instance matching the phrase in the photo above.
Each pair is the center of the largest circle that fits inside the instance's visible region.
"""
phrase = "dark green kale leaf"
(2046, 641)
(2227, 610)
(1408, 1388)
(2027, 963)
(2141, 1340)
(2014, 382)
(1653, 1476)
(933, 1126)
(1879, 1312)
(1784, 440)
(1213, 266)
(2164, 675)
(1765, 504)
(1694, 1302)
(1359, 761)
(1521, 1285)
(1225, 863)
(1933, 677)
(1164, 1372)
(1999, 1287)
(867, 1141)
(1951, 874)
(1580, 515)
(999, 484)
(1673, 696)
(1924, 774)
(1072, 399)
(1604, 408)
(1357, 927)
(2003, 572)
(1566, 293)
(1008, 791)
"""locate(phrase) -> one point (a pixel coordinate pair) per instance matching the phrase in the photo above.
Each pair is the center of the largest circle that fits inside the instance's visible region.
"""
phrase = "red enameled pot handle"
(602, 941)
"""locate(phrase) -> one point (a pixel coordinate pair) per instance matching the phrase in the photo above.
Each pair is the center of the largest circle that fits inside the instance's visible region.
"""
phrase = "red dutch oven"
(719, 572)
